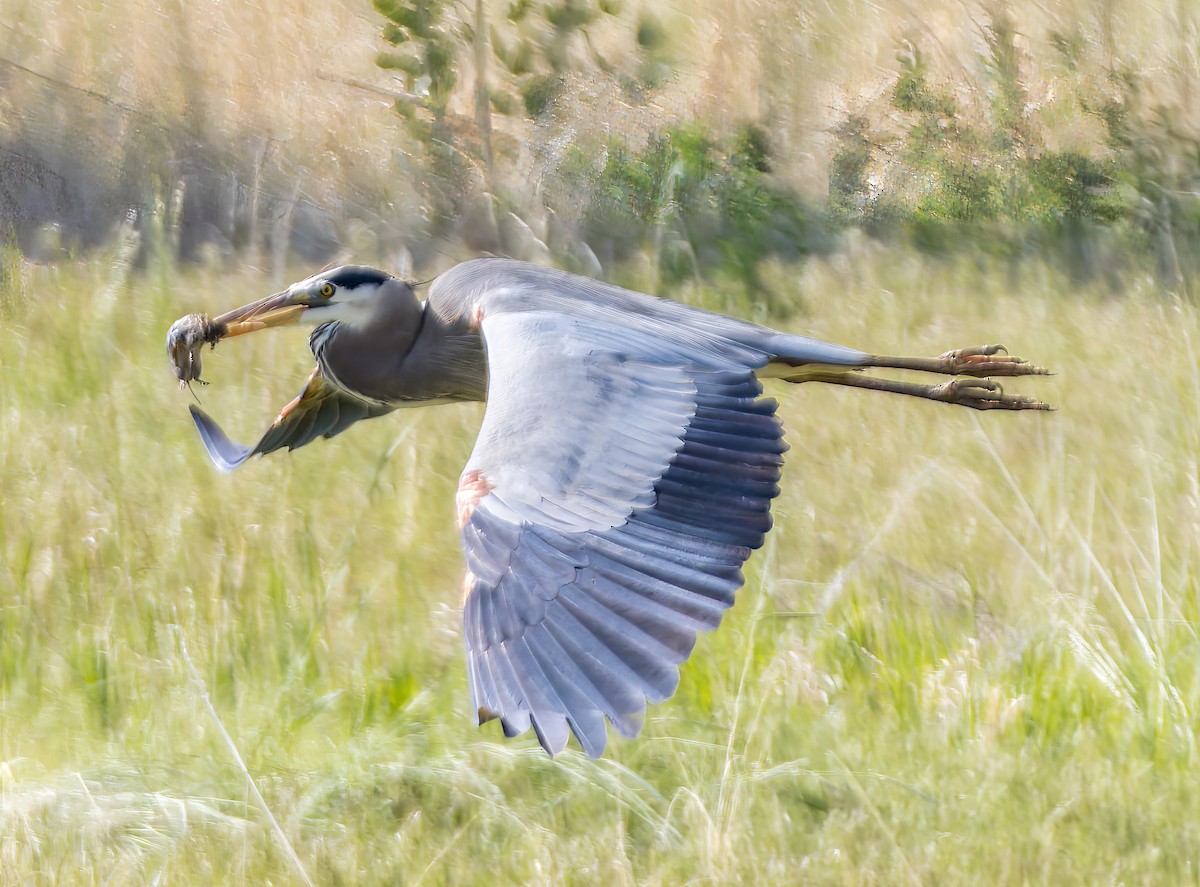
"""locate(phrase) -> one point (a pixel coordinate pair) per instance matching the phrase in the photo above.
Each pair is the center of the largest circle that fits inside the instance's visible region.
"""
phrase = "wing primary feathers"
(225, 454)
(546, 710)
(516, 718)
(675, 574)
(702, 609)
(718, 535)
(586, 706)
(678, 635)
(607, 675)
(326, 418)
(626, 642)
(714, 563)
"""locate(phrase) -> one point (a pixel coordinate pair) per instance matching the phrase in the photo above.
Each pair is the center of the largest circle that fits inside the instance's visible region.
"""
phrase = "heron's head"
(348, 294)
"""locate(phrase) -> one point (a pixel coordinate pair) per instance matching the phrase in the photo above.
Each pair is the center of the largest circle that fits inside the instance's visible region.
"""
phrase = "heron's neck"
(406, 354)
(446, 360)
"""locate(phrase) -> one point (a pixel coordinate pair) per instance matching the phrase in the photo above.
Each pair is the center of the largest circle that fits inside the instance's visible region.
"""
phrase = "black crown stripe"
(356, 275)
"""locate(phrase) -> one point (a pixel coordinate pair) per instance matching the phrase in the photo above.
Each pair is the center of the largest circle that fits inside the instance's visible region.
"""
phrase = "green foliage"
(551, 41)
(985, 182)
(439, 65)
(394, 61)
(504, 103)
(712, 207)
(1008, 93)
(568, 16)
(651, 34)
(518, 59)
(1073, 188)
(849, 169)
(429, 52)
(657, 54)
(538, 94)
(410, 19)
(754, 217)
(912, 93)
(428, 41)
(1158, 165)
(533, 55)
(955, 164)
(12, 289)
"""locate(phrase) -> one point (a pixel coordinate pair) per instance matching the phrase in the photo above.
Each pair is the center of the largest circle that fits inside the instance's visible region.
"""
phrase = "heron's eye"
(327, 290)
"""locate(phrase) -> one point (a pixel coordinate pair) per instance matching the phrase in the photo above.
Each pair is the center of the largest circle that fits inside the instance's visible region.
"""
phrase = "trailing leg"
(978, 394)
(979, 360)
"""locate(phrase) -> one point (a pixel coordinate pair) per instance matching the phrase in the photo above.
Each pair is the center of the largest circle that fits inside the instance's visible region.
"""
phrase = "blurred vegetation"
(989, 184)
(939, 172)
(703, 206)
(592, 133)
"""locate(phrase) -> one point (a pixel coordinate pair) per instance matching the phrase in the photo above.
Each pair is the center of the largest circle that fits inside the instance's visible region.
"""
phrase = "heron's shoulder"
(496, 284)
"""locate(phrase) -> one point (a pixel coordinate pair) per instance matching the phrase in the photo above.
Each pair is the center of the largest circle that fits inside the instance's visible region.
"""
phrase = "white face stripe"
(352, 306)
(355, 311)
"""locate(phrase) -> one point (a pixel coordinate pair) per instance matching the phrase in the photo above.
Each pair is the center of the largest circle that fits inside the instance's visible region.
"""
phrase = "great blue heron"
(623, 473)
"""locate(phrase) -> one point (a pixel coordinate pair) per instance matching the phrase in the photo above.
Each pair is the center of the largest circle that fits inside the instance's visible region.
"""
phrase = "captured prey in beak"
(187, 336)
(185, 341)
(365, 323)
(623, 474)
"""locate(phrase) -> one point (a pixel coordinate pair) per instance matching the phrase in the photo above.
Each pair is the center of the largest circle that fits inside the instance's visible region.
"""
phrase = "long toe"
(988, 360)
(984, 394)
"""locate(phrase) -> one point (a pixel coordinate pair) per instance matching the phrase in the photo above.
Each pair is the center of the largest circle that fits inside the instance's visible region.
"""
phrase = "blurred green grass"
(967, 654)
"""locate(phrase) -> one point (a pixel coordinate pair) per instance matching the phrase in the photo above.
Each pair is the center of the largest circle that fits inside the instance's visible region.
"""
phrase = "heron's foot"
(987, 360)
(982, 394)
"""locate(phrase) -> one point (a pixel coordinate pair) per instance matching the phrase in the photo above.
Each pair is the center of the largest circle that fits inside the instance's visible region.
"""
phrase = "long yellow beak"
(276, 310)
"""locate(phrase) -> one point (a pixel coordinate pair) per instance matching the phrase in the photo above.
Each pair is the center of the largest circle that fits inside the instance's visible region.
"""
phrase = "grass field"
(968, 653)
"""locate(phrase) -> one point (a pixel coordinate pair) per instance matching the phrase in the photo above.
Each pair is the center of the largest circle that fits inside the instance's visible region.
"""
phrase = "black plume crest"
(352, 276)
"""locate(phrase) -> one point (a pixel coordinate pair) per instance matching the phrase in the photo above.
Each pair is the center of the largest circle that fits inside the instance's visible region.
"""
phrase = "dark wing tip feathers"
(320, 411)
(224, 453)
(613, 637)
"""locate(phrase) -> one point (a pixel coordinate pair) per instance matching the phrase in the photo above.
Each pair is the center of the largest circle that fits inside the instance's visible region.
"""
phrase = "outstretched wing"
(619, 482)
(320, 410)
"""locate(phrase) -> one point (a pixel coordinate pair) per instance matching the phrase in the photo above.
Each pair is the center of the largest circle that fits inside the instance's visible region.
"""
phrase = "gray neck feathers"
(406, 353)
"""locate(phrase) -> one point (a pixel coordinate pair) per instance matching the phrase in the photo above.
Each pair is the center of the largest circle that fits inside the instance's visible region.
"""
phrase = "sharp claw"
(987, 360)
(974, 351)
